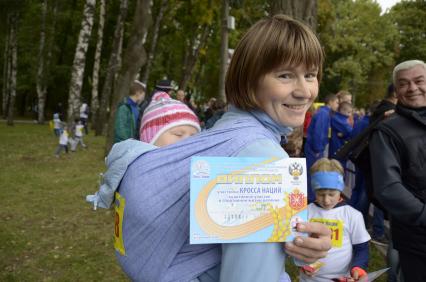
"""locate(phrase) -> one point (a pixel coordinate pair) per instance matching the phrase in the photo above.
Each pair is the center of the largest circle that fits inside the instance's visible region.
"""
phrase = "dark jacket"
(398, 154)
(381, 108)
(125, 124)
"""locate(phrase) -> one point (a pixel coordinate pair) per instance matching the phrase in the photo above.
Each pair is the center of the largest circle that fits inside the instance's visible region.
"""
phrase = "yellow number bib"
(119, 205)
(336, 227)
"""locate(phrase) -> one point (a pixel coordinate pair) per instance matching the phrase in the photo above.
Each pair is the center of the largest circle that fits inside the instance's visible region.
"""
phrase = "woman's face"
(287, 93)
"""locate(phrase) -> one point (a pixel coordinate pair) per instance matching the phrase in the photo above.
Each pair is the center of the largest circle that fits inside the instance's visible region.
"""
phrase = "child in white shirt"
(349, 254)
(63, 141)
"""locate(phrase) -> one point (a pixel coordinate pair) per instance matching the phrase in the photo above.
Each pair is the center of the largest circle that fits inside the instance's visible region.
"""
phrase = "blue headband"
(327, 180)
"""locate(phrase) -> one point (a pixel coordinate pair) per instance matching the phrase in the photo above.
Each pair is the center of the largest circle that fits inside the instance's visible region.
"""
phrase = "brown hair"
(135, 88)
(294, 144)
(267, 45)
(325, 164)
(343, 93)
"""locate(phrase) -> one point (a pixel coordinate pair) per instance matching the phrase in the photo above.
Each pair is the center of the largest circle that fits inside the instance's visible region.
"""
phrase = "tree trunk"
(134, 58)
(154, 40)
(193, 53)
(303, 10)
(96, 65)
(113, 66)
(6, 69)
(79, 63)
(13, 68)
(50, 43)
(223, 48)
(41, 89)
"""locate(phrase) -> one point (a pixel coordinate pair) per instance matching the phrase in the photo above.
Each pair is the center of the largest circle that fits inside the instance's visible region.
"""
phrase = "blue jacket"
(341, 131)
(317, 140)
(318, 135)
(118, 160)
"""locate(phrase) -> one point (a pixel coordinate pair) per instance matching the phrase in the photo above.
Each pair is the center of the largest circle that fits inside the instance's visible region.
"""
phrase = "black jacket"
(398, 160)
(381, 108)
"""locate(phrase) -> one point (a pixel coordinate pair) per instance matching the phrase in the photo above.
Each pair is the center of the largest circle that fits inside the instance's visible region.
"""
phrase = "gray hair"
(405, 66)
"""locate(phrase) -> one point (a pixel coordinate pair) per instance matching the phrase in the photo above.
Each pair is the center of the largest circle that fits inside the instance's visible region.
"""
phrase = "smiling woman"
(271, 82)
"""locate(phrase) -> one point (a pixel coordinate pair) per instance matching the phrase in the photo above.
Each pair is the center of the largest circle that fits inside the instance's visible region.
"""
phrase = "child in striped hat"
(166, 121)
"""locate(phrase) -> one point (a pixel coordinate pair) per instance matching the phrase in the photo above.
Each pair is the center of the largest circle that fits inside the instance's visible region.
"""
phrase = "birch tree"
(13, 68)
(155, 33)
(79, 62)
(6, 68)
(96, 65)
(192, 53)
(40, 80)
(114, 63)
(133, 59)
(223, 48)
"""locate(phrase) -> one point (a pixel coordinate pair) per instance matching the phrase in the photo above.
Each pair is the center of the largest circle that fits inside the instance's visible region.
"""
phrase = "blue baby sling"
(156, 213)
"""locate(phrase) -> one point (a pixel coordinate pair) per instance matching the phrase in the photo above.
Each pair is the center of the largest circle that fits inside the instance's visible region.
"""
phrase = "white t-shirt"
(63, 138)
(83, 111)
(79, 130)
(348, 228)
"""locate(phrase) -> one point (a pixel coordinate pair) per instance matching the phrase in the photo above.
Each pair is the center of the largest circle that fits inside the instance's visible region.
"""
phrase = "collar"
(277, 129)
(131, 102)
(418, 114)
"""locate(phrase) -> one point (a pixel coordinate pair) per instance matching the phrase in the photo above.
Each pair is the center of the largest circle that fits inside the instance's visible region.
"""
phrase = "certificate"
(236, 200)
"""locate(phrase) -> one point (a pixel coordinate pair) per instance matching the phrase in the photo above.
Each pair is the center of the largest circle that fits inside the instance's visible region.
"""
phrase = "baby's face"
(327, 198)
(175, 134)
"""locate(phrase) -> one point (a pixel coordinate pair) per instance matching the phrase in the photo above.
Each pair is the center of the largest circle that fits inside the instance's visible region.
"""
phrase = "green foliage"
(361, 45)
(410, 20)
(357, 42)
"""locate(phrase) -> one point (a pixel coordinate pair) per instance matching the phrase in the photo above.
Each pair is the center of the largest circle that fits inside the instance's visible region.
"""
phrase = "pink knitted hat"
(164, 113)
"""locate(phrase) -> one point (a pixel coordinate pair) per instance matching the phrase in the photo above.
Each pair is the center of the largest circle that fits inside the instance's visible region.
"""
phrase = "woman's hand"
(310, 249)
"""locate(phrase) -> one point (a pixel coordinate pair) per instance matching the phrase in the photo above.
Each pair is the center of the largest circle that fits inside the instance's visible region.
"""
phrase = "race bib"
(336, 227)
(119, 205)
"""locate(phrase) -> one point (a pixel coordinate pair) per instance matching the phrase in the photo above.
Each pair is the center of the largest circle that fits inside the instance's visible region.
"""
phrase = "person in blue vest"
(341, 129)
(318, 136)
(272, 80)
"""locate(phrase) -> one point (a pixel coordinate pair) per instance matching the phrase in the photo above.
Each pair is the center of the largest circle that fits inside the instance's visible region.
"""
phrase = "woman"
(271, 82)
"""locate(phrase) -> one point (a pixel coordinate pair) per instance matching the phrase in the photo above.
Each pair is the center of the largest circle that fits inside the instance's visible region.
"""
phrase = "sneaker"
(381, 241)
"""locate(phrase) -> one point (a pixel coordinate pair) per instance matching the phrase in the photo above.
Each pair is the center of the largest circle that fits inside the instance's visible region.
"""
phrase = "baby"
(164, 122)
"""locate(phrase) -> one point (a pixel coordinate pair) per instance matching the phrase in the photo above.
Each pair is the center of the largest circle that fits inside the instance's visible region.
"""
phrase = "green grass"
(48, 231)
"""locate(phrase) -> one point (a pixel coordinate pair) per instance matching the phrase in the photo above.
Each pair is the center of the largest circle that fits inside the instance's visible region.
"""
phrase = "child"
(63, 141)
(349, 253)
(78, 135)
(164, 122)
(57, 124)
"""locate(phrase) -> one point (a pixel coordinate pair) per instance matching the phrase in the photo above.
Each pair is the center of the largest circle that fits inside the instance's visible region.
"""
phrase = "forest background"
(68, 52)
